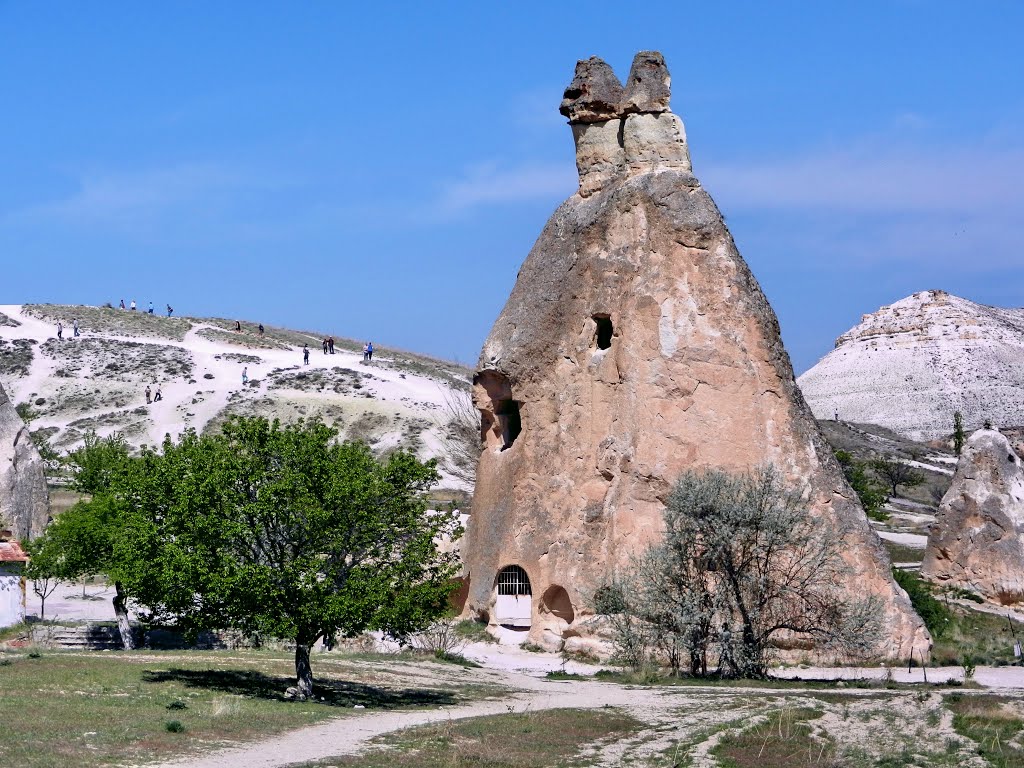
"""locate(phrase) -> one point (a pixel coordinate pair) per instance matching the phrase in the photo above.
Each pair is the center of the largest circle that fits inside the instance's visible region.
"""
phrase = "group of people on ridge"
(132, 306)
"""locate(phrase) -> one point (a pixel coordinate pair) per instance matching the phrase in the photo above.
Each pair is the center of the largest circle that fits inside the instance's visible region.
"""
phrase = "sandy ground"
(184, 405)
(913, 540)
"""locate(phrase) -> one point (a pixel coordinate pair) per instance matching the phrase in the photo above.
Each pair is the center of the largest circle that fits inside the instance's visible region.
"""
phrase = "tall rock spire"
(635, 345)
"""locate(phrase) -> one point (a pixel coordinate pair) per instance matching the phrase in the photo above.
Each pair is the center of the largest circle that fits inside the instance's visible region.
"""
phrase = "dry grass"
(112, 708)
(110, 322)
(994, 723)
(783, 740)
(516, 740)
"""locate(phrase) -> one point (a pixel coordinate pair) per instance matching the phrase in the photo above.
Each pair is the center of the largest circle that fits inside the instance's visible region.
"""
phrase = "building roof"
(11, 552)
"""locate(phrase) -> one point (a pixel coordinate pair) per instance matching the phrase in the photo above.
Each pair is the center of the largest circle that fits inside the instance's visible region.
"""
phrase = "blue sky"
(381, 170)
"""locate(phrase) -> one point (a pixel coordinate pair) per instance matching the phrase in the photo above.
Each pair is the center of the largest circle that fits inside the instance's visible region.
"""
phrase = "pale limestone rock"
(600, 156)
(652, 141)
(636, 345)
(977, 540)
(24, 499)
(649, 86)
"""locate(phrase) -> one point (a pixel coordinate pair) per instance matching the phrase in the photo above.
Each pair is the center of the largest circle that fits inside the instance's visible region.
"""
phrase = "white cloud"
(489, 184)
(129, 199)
(870, 178)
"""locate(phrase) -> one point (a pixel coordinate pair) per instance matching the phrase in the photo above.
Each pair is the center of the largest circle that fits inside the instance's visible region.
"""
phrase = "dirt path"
(348, 735)
(691, 719)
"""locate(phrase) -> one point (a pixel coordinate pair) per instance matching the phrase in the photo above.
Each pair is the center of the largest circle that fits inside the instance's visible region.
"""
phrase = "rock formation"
(24, 500)
(911, 364)
(635, 345)
(977, 540)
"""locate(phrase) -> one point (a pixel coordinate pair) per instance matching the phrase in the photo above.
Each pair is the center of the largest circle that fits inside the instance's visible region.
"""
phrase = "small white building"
(12, 583)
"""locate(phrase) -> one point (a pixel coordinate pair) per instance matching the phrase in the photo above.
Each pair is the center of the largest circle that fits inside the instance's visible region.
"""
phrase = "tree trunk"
(303, 671)
(121, 612)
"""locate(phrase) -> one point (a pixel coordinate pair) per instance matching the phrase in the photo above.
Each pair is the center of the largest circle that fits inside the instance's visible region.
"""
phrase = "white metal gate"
(514, 605)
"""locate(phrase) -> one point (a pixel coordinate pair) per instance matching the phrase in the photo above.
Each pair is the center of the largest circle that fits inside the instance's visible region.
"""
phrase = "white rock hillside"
(97, 381)
(911, 364)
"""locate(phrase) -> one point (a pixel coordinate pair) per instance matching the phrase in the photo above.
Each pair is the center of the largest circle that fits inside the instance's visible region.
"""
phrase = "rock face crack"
(24, 498)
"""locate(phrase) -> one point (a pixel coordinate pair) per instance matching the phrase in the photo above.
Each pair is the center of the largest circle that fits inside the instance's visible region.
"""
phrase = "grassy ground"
(983, 638)
(61, 709)
(118, 322)
(994, 723)
(782, 740)
(901, 554)
(517, 740)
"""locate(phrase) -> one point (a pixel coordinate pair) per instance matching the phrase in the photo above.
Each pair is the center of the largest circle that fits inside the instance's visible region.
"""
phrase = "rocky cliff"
(977, 540)
(911, 364)
(24, 500)
(636, 344)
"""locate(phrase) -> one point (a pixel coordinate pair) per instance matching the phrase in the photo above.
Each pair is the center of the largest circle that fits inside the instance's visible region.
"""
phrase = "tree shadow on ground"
(337, 693)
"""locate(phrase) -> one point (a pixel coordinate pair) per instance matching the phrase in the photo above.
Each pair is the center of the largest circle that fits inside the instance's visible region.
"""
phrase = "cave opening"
(603, 333)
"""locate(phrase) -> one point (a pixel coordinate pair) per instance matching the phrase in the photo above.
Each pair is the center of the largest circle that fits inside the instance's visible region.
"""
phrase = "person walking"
(170, 310)
(324, 344)
(150, 310)
(305, 354)
(261, 329)
(122, 303)
(157, 396)
(365, 352)
(132, 306)
(245, 375)
(238, 326)
(149, 394)
(369, 351)
(60, 330)
(330, 344)
(74, 324)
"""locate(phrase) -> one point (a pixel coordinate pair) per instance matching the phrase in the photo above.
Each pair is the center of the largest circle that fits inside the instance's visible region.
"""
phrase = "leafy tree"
(871, 494)
(742, 562)
(896, 473)
(83, 540)
(959, 437)
(283, 531)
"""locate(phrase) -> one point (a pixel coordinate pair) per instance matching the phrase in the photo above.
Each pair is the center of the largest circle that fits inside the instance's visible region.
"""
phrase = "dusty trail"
(691, 715)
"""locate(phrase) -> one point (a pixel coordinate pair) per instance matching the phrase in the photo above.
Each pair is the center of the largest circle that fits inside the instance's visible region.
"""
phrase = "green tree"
(283, 531)
(869, 491)
(84, 540)
(896, 473)
(959, 437)
(742, 562)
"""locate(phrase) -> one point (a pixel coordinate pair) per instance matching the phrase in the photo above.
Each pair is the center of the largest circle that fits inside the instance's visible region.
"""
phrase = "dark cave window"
(603, 335)
(511, 423)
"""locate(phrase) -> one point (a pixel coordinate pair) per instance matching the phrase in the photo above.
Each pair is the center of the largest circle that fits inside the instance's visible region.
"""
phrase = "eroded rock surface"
(636, 344)
(977, 540)
(24, 499)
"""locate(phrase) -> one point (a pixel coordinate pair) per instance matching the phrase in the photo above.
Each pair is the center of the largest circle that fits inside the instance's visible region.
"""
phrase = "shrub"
(174, 726)
(742, 562)
(935, 615)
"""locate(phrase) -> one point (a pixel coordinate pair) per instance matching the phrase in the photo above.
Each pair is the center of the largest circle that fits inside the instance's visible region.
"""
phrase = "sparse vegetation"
(935, 615)
(896, 473)
(783, 740)
(959, 436)
(111, 709)
(514, 740)
(994, 723)
(742, 561)
(869, 491)
(106, 321)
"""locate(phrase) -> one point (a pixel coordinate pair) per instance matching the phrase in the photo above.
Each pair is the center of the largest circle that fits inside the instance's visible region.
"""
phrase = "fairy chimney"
(636, 345)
